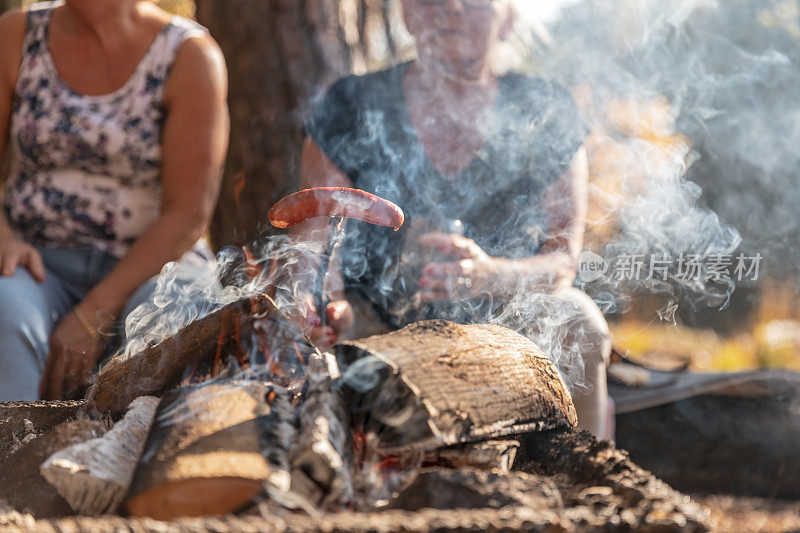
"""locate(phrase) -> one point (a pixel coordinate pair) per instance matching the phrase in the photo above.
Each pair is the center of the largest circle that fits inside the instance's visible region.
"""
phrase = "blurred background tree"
(281, 55)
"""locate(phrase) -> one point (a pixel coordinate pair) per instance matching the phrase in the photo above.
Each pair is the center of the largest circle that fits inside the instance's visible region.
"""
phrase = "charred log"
(249, 328)
(439, 488)
(596, 475)
(497, 455)
(322, 454)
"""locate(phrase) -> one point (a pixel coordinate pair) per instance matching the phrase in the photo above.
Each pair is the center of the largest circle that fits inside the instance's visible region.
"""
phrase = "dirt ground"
(731, 514)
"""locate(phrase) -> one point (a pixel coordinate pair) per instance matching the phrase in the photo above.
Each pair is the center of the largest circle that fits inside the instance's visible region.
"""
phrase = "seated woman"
(499, 159)
(491, 173)
(118, 127)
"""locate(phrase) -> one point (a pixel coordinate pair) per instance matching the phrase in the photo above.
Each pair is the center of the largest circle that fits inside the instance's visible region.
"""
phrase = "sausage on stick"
(337, 203)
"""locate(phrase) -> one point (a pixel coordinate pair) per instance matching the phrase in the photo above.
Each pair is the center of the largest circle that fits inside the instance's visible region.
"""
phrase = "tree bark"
(94, 476)
(281, 55)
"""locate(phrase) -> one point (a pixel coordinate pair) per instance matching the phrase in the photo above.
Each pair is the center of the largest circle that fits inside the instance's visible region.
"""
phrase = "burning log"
(435, 384)
(23, 486)
(162, 367)
(321, 455)
(212, 450)
(94, 476)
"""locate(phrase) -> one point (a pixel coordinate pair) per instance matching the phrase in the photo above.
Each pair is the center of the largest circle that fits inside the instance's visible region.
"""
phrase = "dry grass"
(772, 344)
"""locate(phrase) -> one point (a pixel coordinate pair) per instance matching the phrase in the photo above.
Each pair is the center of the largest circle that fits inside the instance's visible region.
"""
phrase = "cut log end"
(194, 497)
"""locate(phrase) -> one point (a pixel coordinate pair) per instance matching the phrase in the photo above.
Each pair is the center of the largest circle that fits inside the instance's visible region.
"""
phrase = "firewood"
(465, 488)
(321, 456)
(496, 455)
(212, 450)
(159, 368)
(94, 476)
(436, 383)
(23, 487)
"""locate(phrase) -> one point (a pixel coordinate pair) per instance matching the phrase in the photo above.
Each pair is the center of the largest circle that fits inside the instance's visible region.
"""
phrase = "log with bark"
(213, 449)
(435, 383)
(204, 344)
(94, 476)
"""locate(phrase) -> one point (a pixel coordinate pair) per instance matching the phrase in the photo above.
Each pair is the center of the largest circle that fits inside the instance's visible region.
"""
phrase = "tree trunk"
(281, 55)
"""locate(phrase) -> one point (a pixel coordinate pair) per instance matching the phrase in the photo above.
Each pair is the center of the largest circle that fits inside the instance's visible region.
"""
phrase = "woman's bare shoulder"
(12, 36)
(199, 68)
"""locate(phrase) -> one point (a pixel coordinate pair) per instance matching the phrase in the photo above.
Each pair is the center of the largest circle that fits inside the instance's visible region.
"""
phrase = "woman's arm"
(13, 252)
(194, 146)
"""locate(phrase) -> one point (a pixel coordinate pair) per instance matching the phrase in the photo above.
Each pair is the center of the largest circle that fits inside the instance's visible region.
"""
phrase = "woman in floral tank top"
(115, 116)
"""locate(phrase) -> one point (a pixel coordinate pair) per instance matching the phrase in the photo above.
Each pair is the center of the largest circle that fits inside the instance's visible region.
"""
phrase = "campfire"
(435, 416)
(238, 414)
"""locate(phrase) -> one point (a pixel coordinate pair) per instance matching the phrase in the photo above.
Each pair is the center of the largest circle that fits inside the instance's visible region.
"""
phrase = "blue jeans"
(29, 311)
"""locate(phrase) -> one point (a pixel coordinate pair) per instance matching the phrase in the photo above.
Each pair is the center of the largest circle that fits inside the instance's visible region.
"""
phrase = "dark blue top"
(363, 125)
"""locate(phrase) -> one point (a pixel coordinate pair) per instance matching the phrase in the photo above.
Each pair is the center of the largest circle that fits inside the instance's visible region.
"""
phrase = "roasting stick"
(335, 239)
(336, 203)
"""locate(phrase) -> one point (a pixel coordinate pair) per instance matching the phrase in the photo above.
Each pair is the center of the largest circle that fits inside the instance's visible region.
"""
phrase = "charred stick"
(335, 238)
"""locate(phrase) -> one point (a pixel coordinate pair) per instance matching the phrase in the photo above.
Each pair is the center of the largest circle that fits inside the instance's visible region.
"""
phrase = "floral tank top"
(86, 170)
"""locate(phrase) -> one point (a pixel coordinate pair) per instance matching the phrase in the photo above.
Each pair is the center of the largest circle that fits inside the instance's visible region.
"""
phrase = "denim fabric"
(29, 311)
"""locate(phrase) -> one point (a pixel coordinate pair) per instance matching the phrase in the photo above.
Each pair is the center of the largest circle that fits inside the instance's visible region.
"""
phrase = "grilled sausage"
(335, 202)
